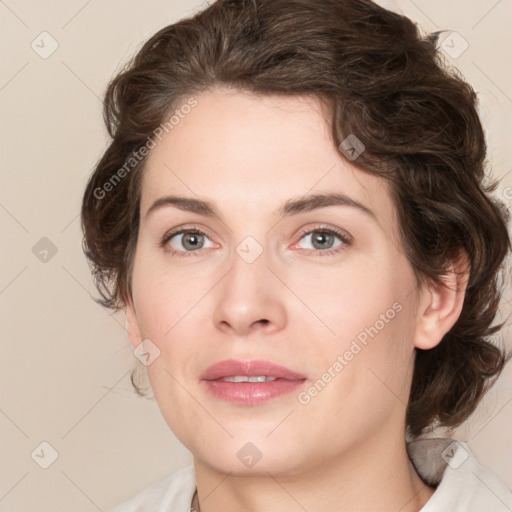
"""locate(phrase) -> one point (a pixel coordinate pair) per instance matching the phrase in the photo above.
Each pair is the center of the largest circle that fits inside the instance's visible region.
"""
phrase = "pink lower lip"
(251, 393)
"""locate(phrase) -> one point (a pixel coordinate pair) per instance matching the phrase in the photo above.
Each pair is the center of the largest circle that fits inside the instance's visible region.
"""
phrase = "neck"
(375, 476)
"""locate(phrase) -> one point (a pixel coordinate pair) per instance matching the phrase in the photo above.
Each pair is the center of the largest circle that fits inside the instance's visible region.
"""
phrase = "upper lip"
(232, 367)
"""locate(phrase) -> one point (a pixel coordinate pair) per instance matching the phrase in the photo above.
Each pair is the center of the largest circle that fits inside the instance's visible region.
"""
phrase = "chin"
(228, 462)
(242, 457)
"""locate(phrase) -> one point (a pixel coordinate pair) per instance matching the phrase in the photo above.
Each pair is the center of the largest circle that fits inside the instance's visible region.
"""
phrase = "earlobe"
(441, 305)
(132, 326)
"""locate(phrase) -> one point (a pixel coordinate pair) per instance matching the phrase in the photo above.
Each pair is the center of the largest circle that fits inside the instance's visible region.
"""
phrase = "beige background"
(65, 360)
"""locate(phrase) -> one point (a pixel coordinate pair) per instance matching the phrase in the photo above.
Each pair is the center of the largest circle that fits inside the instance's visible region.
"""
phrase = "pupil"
(322, 238)
(191, 240)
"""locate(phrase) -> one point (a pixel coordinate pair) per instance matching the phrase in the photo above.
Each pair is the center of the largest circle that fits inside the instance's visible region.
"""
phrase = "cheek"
(164, 297)
(366, 314)
(363, 374)
(173, 399)
(351, 296)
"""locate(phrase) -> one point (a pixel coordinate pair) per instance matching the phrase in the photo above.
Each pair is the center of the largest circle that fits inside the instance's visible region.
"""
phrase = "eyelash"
(345, 238)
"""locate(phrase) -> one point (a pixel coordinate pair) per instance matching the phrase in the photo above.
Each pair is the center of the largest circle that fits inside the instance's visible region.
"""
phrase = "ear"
(440, 306)
(132, 326)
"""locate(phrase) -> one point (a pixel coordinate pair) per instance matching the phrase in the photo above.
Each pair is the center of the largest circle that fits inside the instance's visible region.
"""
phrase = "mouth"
(246, 378)
(250, 382)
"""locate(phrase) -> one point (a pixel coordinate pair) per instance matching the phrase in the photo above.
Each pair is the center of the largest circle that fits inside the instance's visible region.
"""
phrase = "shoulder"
(462, 483)
(171, 493)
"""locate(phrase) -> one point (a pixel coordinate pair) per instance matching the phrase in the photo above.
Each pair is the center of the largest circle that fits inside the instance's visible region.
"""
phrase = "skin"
(345, 449)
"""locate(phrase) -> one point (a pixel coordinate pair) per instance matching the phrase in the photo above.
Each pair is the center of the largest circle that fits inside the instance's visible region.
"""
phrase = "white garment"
(463, 485)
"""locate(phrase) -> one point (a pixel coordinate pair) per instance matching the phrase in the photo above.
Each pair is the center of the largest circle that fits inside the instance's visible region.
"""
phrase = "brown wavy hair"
(382, 81)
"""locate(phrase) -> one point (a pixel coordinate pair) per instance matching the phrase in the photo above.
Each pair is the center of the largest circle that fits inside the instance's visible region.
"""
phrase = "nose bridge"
(248, 296)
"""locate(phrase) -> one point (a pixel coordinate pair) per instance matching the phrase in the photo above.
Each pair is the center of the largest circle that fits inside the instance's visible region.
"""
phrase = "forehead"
(252, 153)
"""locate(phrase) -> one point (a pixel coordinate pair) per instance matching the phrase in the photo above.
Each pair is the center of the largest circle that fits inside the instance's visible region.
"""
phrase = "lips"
(255, 368)
(250, 383)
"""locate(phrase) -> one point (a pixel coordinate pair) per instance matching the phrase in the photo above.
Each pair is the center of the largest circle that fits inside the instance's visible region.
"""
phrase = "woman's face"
(270, 272)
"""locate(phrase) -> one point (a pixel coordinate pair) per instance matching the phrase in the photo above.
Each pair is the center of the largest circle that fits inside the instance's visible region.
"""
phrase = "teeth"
(245, 378)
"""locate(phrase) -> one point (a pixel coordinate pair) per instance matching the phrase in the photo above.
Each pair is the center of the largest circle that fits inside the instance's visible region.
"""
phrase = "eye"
(185, 241)
(190, 241)
(325, 240)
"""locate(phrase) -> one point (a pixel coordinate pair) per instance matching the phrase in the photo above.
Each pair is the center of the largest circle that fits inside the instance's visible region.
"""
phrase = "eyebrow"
(290, 207)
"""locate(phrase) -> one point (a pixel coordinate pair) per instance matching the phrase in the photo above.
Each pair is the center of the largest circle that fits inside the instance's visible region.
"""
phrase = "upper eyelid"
(322, 227)
(185, 229)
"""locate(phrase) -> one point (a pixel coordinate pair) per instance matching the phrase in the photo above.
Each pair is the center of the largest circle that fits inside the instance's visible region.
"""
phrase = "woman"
(292, 212)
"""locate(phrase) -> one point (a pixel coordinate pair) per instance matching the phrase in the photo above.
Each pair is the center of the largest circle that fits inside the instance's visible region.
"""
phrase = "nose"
(249, 299)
